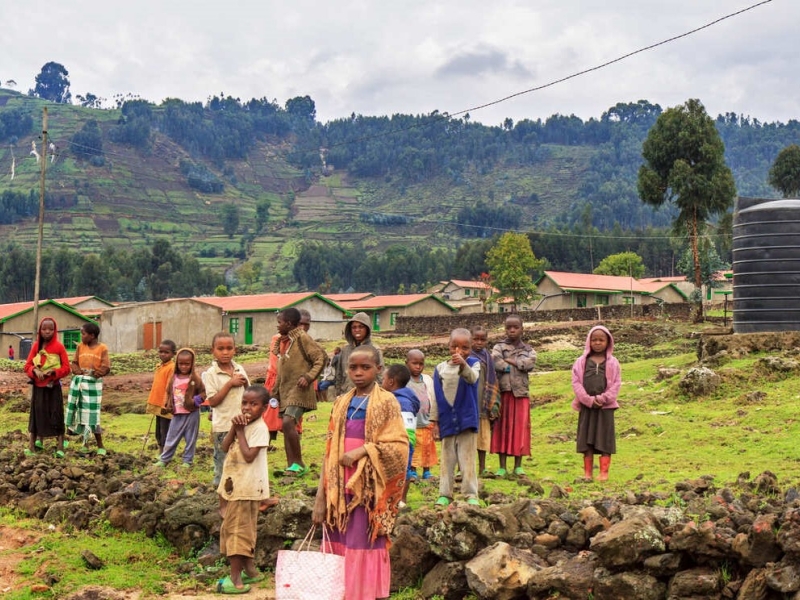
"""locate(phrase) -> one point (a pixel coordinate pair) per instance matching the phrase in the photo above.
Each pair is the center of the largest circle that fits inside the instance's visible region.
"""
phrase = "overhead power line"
(447, 115)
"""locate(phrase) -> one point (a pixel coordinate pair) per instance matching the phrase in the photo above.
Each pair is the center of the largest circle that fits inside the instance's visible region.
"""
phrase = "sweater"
(303, 358)
(456, 389)
(613, 375)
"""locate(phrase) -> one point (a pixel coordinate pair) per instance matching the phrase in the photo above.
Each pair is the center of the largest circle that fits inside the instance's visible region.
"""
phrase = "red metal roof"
(392, 300)
(589, 281)
(470, 284)
(348, 297)
(6, 310)
(256, 302)
(670, 279)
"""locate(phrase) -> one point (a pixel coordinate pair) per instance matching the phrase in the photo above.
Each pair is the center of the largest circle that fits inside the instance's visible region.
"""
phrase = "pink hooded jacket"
(613, 375)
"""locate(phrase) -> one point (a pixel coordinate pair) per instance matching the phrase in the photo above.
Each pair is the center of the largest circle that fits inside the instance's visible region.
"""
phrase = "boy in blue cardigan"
(455, 382)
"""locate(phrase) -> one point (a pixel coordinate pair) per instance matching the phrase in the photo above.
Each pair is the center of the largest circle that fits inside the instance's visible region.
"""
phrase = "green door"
(248, 330)
(376, 322)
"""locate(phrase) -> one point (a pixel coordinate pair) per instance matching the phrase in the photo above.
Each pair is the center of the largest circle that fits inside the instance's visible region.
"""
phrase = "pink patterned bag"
(304, 574)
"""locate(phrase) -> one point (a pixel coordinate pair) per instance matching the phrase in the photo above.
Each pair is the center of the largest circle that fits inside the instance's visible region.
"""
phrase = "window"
(628, 300)
(580, 300)
(72, 339)
(393, 318)
(233, 325)
(466, 291)
(601, 300)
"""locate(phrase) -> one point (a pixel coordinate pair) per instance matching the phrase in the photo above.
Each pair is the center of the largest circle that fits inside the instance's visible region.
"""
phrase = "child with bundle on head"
(47, 363)
(184, 396)
(596, 379)
(225, 382)
(513, 360)
(422, 385)
(455, 382)
(244, 486)
(157, 399)
(396, 381)
(488, 395)
(362, 477)
(90, 364)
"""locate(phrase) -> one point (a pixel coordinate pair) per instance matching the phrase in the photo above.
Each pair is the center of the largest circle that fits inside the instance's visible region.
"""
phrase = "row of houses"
(252, 319)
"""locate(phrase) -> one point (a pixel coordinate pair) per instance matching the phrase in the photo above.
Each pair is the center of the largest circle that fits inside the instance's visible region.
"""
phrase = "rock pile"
(701, 541)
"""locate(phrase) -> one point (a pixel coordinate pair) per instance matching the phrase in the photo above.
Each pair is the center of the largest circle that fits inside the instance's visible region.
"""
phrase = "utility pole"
(43, 159)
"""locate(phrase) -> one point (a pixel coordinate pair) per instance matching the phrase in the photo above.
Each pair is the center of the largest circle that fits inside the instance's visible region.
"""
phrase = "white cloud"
(414, 56)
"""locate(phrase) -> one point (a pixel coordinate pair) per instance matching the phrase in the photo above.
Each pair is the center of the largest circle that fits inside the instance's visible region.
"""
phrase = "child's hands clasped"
(239, 421)
(238, 380)
(597, 402)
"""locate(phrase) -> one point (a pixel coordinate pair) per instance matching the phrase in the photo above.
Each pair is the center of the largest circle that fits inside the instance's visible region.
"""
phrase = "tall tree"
(784, 175)
(230, 219)
(511, 265)
(621, 264)
(685, 166)
(52, 83)
(262, 213)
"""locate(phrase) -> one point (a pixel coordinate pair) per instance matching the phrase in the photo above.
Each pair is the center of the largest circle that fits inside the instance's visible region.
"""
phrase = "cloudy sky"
(409, 56)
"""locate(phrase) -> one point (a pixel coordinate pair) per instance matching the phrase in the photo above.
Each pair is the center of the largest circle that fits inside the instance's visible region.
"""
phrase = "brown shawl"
(377, 483)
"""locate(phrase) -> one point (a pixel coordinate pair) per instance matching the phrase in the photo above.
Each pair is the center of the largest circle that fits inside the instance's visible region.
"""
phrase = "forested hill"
(248, 187)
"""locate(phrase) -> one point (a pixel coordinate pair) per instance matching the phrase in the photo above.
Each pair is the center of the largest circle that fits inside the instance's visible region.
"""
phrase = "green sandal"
(29, 452)
(247, 579)
(225, 586)
(519, 471)
(443, 501)
(296, 470)
(501, 473)
(59, 454)
(101, 452)
(39, 444)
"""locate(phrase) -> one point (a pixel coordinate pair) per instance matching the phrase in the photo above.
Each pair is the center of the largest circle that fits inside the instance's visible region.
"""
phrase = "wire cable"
(446, 115)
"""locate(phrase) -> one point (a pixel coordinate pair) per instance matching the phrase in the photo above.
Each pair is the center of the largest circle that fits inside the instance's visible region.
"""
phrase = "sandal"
(519, 471)
(501, 473)
(225, 586)
(247, 579)
(473, 502)
(442, 501)
(59, 454)
(296, 470)
(101, 452)
(39, 444)
(29, 452)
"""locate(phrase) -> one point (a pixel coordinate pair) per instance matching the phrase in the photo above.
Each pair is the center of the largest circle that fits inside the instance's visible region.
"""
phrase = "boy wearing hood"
(357, 332)
(596, 379)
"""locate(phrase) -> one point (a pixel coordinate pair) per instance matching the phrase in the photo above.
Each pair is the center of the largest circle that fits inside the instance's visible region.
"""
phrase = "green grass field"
(663, 437)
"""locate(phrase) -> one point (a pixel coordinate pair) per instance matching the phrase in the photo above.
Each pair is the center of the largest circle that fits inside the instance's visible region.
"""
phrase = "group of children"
(384, 425)
(46, 364)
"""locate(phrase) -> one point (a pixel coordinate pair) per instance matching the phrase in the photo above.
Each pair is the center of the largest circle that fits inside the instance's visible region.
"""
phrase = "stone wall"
(444, 324)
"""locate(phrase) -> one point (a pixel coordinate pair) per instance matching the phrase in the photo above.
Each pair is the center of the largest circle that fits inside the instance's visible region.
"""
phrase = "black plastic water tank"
(766, 265)
(25, 348)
